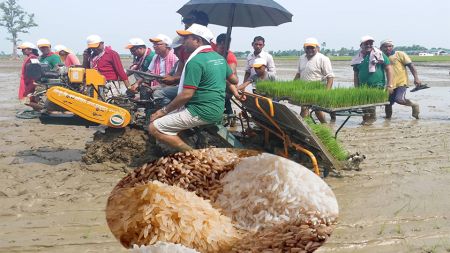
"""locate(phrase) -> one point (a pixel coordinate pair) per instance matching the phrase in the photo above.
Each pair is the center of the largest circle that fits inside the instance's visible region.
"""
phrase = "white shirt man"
(318, 68)
(258, 45)
(314, 66)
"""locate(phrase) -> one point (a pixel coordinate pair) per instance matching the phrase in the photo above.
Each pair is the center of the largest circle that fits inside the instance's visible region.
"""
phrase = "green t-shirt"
(51, 60)
(375, 79)
(147, 61)
(207, 72)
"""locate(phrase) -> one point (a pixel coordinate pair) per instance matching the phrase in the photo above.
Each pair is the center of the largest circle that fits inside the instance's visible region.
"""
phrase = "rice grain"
(267, 189)
(159, 212)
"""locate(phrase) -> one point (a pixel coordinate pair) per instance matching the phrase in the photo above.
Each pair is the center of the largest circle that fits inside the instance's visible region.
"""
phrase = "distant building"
(425, 54)
(438, 52)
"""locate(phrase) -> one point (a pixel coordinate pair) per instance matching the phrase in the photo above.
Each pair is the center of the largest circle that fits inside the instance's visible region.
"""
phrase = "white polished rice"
(267, 189)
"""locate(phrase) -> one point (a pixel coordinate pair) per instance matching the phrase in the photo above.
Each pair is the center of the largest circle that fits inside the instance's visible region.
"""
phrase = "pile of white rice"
(155, 211)
(266, 189)
(162, 247)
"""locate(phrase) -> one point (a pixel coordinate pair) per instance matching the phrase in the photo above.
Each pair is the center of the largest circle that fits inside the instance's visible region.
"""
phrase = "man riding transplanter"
(202, 93)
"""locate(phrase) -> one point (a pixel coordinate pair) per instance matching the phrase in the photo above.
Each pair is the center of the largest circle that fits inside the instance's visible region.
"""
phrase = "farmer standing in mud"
(400, 60)
(314, 66)
(371, 67)
(201, 97)
(107, 62)
(27, 85)
(258, 45)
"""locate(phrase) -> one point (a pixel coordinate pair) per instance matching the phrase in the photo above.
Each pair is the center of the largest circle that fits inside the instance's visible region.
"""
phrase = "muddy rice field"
(51, 201)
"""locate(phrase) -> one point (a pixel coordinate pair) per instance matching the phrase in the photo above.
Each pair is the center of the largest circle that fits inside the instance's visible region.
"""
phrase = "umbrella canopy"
(240, 13)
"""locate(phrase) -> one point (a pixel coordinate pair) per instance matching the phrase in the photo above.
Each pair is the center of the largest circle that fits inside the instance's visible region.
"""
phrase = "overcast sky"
(338, 23)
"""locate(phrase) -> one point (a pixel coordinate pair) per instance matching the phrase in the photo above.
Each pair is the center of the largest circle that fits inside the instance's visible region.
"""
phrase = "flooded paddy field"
(52, 202)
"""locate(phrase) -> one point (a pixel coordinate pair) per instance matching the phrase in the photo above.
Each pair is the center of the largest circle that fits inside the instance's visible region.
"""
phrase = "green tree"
(16, 21)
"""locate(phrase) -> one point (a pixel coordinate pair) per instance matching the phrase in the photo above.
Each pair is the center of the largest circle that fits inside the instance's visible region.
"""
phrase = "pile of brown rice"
(266, 189)
(290, 236)
(145, 214)
(199, 170)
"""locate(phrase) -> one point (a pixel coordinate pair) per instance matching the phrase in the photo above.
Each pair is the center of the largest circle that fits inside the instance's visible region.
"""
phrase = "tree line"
(413, 50)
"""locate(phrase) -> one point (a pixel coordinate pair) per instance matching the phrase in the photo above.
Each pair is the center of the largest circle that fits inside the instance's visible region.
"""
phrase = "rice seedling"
(326, 136)
(314, 93)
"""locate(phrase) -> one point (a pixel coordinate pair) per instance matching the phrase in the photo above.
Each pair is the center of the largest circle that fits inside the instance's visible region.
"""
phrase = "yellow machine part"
(89, 108)
(93, 77)
(76, 75)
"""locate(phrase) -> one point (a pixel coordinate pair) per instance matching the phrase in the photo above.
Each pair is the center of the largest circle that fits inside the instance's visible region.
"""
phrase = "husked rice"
(162, 247)
(267, 189)
(155, 211)
(291, 236)
(199, 170)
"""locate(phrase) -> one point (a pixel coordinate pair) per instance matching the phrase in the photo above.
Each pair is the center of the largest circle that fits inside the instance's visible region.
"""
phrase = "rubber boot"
(388, 110)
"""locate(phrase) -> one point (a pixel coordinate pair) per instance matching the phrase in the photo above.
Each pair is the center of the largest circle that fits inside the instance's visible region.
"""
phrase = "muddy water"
(399, 202)
(50, 201)
(434, 74)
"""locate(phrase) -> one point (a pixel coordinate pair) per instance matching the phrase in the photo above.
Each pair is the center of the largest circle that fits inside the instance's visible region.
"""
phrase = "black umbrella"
(239, 13)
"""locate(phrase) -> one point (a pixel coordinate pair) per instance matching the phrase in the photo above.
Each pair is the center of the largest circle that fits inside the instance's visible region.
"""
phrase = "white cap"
(177, 41)
(259, 62)
(59, 48)
(387, 41)
(43, 43)
(135, 42)
(366, 38)
(163, 38)
(198, 30)
(311, 42)
(93, 41)
(26, 44)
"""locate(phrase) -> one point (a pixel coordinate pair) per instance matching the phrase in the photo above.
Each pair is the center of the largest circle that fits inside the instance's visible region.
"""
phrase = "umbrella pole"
(229, 28)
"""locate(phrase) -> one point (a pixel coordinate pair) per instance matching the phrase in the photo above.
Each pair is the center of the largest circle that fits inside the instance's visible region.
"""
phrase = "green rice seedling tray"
(315, 94)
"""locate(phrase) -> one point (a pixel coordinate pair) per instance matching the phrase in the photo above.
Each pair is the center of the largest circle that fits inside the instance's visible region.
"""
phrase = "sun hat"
(93, 41)
(163, 38)
(311, 42)
(198, 30)
(26, 44)
(387, 41)
(366, 38)
(177, 42)
(59, 48)
(135, 42)
(259, 62)
(43, 43)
